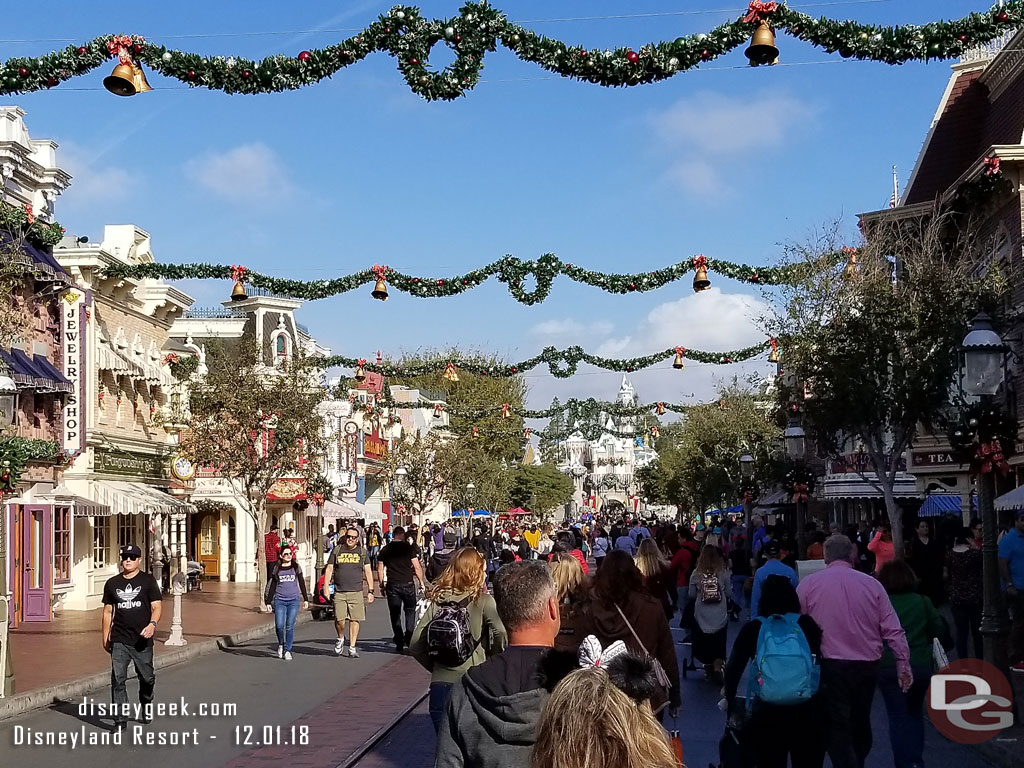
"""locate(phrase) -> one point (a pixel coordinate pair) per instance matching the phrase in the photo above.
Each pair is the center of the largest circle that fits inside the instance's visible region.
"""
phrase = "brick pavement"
(410, 745)
(343, 724)
(68, 648)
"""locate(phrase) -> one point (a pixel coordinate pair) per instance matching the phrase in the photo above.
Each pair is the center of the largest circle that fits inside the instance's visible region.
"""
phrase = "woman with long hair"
(709, 587)
(964, 566)
(286, 590)
(922, 625)
(570, 588)
(460, 587)
(656, 574)
(777, 731)
(589, 722)
(620, 609)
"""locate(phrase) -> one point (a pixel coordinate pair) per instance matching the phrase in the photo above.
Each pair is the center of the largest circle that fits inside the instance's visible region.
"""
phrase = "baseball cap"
(1020, 514)
(129, 551)
(772, 548)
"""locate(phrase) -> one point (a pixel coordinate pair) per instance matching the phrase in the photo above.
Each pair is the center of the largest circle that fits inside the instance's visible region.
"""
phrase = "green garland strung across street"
(578, 410)
(562, 363)
(512, 271)
(479, 29)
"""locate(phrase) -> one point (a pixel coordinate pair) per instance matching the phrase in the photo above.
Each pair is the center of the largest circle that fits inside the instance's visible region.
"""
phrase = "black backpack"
(450, 640)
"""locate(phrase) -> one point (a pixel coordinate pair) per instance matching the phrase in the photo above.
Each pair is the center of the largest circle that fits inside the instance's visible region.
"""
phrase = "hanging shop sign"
(130, 464)
(73, 307)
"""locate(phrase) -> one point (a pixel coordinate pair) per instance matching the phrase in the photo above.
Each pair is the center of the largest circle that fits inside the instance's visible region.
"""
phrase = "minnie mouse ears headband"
(632, 674)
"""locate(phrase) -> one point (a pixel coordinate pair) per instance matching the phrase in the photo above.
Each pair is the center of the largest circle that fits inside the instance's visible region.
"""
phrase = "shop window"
(208, 536)
(61, 544)
(101, 554)
(281, 351)
(126, 529)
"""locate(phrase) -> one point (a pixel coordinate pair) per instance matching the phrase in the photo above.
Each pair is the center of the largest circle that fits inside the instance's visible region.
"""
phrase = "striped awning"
(127, 498)
(81, 506)
(34, 372)
(109, 359)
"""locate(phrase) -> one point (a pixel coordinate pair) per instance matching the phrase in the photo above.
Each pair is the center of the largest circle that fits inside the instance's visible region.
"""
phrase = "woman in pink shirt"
(881, 546)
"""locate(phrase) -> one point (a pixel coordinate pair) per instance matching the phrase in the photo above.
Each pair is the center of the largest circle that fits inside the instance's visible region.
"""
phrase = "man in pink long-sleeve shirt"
(855, 617)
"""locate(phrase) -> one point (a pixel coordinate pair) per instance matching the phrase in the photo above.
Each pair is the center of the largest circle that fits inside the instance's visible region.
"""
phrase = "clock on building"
(351, 427)
(182, 468)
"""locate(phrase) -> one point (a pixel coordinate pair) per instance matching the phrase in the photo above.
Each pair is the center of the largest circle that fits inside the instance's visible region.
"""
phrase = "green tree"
(549, 452)
(420, 468)
(540, 488)
(255, 427)
(874, 349)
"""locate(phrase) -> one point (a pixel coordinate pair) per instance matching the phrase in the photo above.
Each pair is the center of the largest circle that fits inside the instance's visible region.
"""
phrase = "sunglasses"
(129, 557)
(346, 536)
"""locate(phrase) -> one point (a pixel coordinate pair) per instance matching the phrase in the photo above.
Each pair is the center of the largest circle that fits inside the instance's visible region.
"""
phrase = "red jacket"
(684, 561)
(579, 556)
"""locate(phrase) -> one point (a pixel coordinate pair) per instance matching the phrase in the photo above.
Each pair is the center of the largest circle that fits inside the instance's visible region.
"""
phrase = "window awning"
(939, 504)
(127, 498)
(81, 506)
(62, 383)
(21, 373)
(1012, 500)
(45, 266)
(36, 372)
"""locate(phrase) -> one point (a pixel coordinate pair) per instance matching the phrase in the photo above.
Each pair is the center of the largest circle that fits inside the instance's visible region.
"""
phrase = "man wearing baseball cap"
(1011, 568)
(131, 612)
(772, 567)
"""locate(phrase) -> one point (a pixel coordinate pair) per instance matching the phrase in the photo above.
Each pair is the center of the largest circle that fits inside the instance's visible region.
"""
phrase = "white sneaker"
(353, 653)
(287, 655)
(280, 651)
(339, 647)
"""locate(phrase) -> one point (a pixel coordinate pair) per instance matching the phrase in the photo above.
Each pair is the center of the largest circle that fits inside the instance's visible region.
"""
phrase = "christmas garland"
(562, 363)
(479, 29)
(17, 452)
(983, 436)
(578, 410)
(512, 271)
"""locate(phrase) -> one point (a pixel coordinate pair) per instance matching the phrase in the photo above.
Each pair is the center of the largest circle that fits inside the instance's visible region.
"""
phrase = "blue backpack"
(784, 671)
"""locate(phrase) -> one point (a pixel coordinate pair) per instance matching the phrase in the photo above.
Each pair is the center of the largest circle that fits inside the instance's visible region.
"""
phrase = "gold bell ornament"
(238, 273)
(851, 263)
(127, 79)
(450, 374)
(774, 356)
(762, 48)
(380, 289)
(661, 409)
(678, 362)
(437, 411)
(700, 274)
(360, 373)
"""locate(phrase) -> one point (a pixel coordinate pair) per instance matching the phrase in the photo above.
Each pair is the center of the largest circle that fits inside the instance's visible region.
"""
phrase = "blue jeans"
(285, 613)
(120, 656)
(682, 598)
(372, 553)
(439, 695)
(906, 714)
(738, 595)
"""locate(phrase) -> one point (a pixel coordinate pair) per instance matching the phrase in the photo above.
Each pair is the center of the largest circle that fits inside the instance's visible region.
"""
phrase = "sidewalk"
(45, 655)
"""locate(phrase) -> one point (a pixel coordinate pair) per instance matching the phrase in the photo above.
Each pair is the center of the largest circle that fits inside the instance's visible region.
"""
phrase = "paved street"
(341, 701)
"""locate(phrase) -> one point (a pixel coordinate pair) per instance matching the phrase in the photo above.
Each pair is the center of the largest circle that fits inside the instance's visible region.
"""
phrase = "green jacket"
(922, 623)
(483, 622)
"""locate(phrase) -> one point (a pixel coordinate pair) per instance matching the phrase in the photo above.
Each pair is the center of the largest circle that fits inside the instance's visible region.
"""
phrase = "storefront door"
(207, 544)
(35, 576)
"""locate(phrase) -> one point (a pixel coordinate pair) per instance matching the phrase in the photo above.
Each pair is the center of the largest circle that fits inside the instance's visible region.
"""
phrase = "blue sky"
(729, 161)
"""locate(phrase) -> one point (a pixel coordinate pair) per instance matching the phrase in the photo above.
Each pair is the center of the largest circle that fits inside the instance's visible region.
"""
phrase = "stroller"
(321, 609)
(733, 748)
(194, 571)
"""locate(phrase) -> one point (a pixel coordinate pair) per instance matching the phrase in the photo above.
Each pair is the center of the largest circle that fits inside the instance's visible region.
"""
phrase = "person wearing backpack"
(708, 589)
(773, 566)
(783, 647)
(460, 628)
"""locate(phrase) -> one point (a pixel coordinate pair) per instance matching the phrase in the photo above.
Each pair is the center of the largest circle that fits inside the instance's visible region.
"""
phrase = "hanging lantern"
(450, 373)
(774, 356)
(437, 411)
(238, 273)
(700, 276)
(661, 409)
(360, 373)
(762, 48)
(678, 362)
(380, 289)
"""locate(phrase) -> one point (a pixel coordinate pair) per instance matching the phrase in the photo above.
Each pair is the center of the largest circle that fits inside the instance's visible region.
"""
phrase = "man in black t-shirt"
(131, 612)
(349, 567)
(401, 561)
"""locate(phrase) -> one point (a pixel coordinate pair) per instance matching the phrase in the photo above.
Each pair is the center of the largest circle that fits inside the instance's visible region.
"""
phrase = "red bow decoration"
(171, 358)
(847, 250)
(680, 350)
(238, 272)
(29, 214)
(801, 492)
(773, 343)
(526, 432)
(118, 46)
(380, 271)
(748, 497)
(700, 261)
(361, 361)
(991, 166)
(505, 407)
(318, 499)
(351, 397)
(990, 456)
(757, 10)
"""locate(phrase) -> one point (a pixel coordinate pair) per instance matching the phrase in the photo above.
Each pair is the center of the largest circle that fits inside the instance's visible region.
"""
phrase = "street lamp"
(746, 466)
(982, 370)
(8, 400)
(796, 447)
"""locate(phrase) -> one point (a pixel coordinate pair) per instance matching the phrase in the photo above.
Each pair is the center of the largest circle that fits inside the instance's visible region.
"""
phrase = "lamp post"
(747, 473)
(796, 447)
(400, 475)
(8, 409)
(318, 500)
(982, 370)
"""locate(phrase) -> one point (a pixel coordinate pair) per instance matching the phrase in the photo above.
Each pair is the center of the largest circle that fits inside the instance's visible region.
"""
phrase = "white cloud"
(708, 136)
(246, 173)
(91, 181)
(709, 320)
(570, 327)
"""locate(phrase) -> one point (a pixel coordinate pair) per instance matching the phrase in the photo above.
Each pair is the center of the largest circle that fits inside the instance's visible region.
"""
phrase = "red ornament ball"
(632, 286)
(50, 82)
(633, 57)
(440, 282)
(82, 50)
(414, 61)
(962, 38)
(415, 279)
(1004, 17)
(137, 47)
(514, 369)
(191, 74)
(304, 56)
(705, 54)
(23, 71)
(458, 38)
(246, 74)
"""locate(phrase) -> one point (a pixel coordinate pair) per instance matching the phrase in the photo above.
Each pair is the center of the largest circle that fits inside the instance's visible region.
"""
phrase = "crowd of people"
(534, 635)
